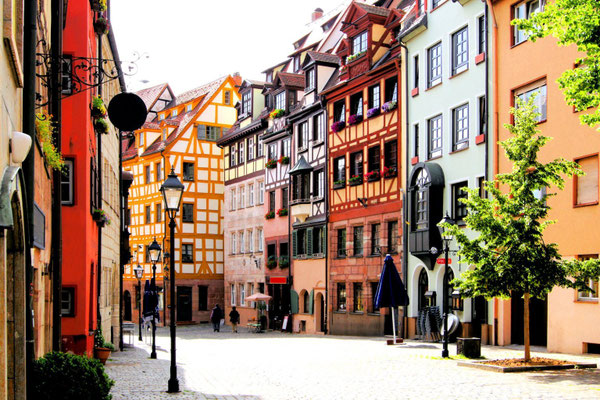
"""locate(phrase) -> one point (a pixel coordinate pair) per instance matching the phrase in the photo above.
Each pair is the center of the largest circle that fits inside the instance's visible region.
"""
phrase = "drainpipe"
(487, 78)
(56, 47)
(326, 194)
(100, 200)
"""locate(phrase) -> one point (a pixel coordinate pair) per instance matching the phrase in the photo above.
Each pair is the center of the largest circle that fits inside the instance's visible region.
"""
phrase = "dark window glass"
(67, 302)
(159, 175)
(358, 240)
(416, 140)
(392, 239)
(158, 212)
(187, 212)
(339, 111)
(357, 297)
(341, 242)
(356, 104)
(341, 296)
(481, 34)
(374, 158)
(434, 128)
(416, 72)
(148, 174)
(374, 286)
(318, 240)
(148, 214)
(67, 183)
(482, 117)
(391, 154)
(284, 197)
(319, 127)
(356, 164)
(459, 208)
(420, 201)
(187, 255)
(188, 171)
(272, 200)
(375, 247)
(310, 79)
(460, 127)
(391, 89)
(202, 298)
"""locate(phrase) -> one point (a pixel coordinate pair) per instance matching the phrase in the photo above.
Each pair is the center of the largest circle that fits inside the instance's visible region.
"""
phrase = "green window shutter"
(309, 244)
(324, 240)
(311, 300)
(295, 243)
(294, 301)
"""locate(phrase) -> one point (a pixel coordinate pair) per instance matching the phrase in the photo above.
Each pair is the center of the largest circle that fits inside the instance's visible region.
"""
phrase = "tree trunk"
(526, 326)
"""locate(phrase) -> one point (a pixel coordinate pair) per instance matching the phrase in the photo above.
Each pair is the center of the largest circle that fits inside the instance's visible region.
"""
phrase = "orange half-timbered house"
(180, 134)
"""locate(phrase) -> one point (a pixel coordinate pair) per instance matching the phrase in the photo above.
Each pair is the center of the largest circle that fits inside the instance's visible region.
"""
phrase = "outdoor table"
(255, 326)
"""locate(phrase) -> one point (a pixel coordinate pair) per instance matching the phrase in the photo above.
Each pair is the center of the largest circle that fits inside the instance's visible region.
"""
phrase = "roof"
(149, 95)
(293, 80)
(384, 12)
(324, 57)
(199, 91)
(235, 132)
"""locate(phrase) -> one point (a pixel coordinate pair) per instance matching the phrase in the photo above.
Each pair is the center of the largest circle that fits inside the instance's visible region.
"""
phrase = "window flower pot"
(390, 172)
(101, 26)
(101, 126)
(338, 126)
(355, 180)
(355, 119)
(389, 106)
(284, 262)
(271, 262)
(339, 184)
(270, 215)
(282, 212)
(271, 163)
(372, 176)
(278, 112)
(373, 112)
(354, 57)
(284, 160)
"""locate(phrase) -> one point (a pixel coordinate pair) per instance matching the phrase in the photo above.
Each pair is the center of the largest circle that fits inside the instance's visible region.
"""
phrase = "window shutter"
(324, 240)
(295, 243)
(311, 300)
(294, 301)
(309, 243)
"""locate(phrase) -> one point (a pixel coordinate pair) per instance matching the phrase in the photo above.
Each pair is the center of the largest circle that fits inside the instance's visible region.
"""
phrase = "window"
(259, 238)
(357, 293)
(280, 101)
(390, 155)
(339, 111)
(188, 171)
(284, 197)
(164, 134)
(233, 239)
(296, 63)
(300, 242)
(261, 192)
(357, 237)
(306, 302)
(374, 158)
(586, 186)
(420, 202)
(148, 174)
(272, 201)
(67, 302)
(301, 187)
(233, 204)
(242, 293)
(375, 247)
(202, 298)
(302, 136)
(242, 196)
(250, 241)
(460, 51)
(158, 209)
(374, 286)
(251, 195)
(356, 164)
(158, 169)
(272, 151)
(310, 79)
(359, 43)
(233, 294)
(128, 217)
(539, 89)
(232, 155)
(269, 76)
(187, 256)
(318, 240)
(173, 113)
(188, 108)
(247, 103)
(339, 169)
(241, 147)
(67, 180)
(319, 127)
(250, 151)
(148, 215)
(435, 3)
(227, 97)
(415, 71)
(481, 34)
(434, 65)
(460, 127)
(66, 75)
(482, 116)
(592, 283)
(392, 239)
(341, 242)
(206, 132)
(391, 89)
(242, 241)
(341, 296)
(374, 97)
(416, 140)
(524, 10)
(356, 104)
(259, 148)
(141, 139)
(187, 212)
(434, 131)
(459, 209)
(318, 184)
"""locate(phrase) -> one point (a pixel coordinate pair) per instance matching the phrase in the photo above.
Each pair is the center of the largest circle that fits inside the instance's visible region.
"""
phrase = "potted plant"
(284, 160)
(100, 217)
(340, 183)
(373, 112)
(271, 163)
(372, 176)
(355, 119)
(355, 180)
(282, 212)
(98, 108)
(98, 5)
(101, 26)
(276, 113)
(284, 262)
(389, 106)
(355, 56)
(102, 348)
(271, 262)
(44, 130)
(101, 126)
(270, 215)
(390, 172)
(338, 126)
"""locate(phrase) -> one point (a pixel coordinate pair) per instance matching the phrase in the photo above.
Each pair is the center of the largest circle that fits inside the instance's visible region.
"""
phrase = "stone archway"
(319, 306)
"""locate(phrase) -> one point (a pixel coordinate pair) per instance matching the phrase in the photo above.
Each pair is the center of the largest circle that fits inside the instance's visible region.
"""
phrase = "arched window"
(423, 288)
(306, 303)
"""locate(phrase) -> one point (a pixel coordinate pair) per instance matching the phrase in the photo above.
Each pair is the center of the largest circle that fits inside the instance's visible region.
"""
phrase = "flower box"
(284, 160)
(98, 5)
(356, 56)
(390, 172)
(278, 112)
(355, 180)
(389, 106)
(282, 212)
(271, 163)
(271, 262)
(373, 112)
(338, 126)
(355, 119)
(339, 184)
(270, 215)
(372, 176)
(284, 262)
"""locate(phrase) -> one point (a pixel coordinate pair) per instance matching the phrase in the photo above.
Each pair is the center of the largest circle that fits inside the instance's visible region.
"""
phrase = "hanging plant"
(278, 112)
(101, 26)
(44, 130)
(99, 5)
(101, 126)
(355, 119)
(98, 108)
(338, 126)
(100, 217)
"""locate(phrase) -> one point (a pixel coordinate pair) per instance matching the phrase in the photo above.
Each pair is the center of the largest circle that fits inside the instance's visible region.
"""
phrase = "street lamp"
(447, 238)
(139, 273)
(172, 191)
(154, 250)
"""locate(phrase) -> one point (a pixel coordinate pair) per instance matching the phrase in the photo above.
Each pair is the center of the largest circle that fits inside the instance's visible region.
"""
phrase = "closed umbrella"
(390, 291)
(147, 302)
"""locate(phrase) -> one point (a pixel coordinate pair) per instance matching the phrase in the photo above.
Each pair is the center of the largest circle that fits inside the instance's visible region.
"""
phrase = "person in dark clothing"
(234, 317)
(215, 318)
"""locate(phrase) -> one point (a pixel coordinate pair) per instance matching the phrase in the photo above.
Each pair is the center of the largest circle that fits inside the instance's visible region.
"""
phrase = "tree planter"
(102, 354)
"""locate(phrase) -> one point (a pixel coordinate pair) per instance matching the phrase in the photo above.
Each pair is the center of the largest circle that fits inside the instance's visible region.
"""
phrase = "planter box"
(469, 347)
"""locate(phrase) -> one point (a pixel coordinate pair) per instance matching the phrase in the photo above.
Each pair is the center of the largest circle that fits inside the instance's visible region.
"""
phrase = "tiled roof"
(128, 148)
(151, 125)
(150, 94)
(199, 91)
(294, 80)
(324, 57)
(384, 12)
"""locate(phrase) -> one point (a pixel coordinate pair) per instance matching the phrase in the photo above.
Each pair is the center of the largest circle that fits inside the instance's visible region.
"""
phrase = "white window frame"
(67, 179)
(242, 197)
(232, 294)
(434, 64)
(261, 192)
(460, 50)
(233, 198)
(359, 43)
(242, 293)
(251, 195)
(259, 238)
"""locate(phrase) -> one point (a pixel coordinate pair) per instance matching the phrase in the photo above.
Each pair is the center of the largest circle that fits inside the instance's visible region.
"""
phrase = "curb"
(497, 368)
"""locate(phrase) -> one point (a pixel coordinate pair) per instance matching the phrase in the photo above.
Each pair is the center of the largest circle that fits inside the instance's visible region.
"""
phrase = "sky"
(188, 43)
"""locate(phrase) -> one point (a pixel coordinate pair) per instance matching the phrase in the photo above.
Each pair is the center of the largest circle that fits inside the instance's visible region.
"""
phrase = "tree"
(574, 22)
(510, 254)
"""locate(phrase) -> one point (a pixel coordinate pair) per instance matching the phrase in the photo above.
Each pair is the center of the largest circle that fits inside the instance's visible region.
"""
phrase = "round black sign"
(127, 111)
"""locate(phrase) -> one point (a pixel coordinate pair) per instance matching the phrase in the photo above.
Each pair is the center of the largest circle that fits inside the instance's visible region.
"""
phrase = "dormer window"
(161, 117)
(310, 79)
(141, 140)
(164, 134)
(269, 76)
(359, 44)
(188, 108)
(297, 63)
(246, 103)
(280, 101)
(174, 114)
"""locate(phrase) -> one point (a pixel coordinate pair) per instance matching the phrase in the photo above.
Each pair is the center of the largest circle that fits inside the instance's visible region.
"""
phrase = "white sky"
(192, 42)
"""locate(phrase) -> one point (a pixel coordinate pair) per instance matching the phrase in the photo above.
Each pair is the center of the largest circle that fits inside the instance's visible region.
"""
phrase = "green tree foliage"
(510, 254)
(574, 22)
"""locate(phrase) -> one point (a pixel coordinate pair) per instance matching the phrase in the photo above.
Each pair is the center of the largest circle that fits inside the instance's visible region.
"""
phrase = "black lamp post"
(446, 237)
(154, 250)
(172, 191)
(139, 273)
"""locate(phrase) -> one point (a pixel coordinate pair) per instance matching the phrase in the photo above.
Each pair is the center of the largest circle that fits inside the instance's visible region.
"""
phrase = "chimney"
(318, 13)
(237, 78)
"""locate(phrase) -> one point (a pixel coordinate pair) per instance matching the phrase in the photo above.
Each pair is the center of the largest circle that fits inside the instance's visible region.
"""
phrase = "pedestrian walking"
(215, 317)
(234, 317)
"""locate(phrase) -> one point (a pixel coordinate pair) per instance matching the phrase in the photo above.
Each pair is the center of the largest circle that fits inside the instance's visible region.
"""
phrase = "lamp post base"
(153, 356)
(173, 385)
(445, 353)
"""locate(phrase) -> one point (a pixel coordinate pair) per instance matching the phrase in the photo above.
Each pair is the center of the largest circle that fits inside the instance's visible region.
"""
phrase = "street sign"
(443, 261)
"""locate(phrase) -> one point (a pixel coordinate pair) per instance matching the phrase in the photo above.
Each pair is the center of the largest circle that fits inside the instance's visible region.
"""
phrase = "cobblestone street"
(275, 365)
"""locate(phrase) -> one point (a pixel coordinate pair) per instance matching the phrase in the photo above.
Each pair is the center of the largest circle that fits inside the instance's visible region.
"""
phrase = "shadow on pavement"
(576, 376)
